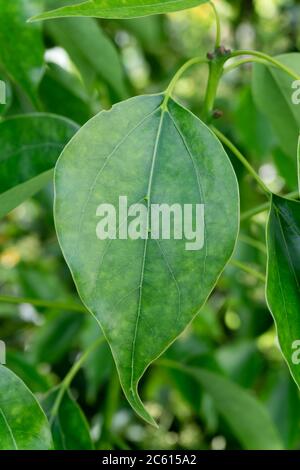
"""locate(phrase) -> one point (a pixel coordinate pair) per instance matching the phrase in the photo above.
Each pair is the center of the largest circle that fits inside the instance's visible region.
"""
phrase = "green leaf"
(22, 49)
(23, 425)
(30, 146)
(63, 93)
(151, 155)
(120, 8)
(272, 92)
(283, 277)
(69, 427)
(247, 417)
(90, 50)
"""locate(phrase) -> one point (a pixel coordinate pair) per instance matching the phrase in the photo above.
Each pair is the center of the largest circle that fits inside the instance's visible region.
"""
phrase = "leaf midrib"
(9, 429)
(150, 181)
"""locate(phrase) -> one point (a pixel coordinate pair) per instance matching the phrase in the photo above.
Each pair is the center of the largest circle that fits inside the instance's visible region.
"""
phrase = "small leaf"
(283, 278)
(272, 92)
(30, 146)
(23, 425)
(144, 292)
(120, 8)
(69, 427)
(22, 49)
(247, 417)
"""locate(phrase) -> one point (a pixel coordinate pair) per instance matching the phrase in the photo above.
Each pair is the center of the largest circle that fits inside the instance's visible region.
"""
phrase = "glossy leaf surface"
(283, 293)
(120, 8)
(23, 425)
(144, 292)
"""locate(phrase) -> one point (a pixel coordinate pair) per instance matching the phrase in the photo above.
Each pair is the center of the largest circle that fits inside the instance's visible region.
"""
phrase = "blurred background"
(89, 65)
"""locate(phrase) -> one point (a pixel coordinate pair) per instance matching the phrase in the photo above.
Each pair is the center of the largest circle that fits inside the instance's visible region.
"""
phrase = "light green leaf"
(283, 278)
(30, 146)
(144, 292)
(272, 92)
(247, 417)
(69, 427)
(90, 49)
(22, 49)
(120, 8)
(23, 425)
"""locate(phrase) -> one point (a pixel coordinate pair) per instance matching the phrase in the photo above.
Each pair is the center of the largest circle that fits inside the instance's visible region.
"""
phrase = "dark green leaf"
(63, 93)
(151, 155)
(69, 427)
(283, 293)
(22, 50)
(30, 146)
(90, 50)
(23, 425)
(120, 8)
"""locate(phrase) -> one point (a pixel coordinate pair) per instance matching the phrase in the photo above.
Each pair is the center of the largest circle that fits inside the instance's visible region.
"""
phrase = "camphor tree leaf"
(272, 92)
(23, 425)
(90, 49)
(247, 417)
(22, 49)
(144, 292)
(283, 277)
(69, 427)
(30, 146)
(120, 8)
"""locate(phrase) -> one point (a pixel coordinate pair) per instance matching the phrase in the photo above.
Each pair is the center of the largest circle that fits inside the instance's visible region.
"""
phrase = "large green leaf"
(69, 427)
(23, 425)
(22, 49)
(30, 146)
(247, 417)
(283, 278)
(120, 8)
(90, 49)
(144, 292)
(272, 92)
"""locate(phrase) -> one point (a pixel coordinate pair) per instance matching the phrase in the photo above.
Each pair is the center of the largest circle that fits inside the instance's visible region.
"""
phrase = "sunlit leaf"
(120, 8)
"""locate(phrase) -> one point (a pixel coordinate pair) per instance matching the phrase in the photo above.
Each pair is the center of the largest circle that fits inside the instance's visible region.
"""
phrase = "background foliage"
(242, 395)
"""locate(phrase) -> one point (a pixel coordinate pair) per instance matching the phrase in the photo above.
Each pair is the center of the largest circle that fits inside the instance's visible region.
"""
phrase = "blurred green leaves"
(22, 48)
(30, 146)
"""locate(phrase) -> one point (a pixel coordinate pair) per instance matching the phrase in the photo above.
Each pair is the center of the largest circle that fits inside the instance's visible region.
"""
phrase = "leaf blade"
(118, 9)
(19, 412)
(283, 277)
(143, 150)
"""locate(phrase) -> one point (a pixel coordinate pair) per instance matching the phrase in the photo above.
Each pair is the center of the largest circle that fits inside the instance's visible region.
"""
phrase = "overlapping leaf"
(30, 146)
(283, 280)
(23, 425)
(120, 8)
(144, 292)
(69, 427)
